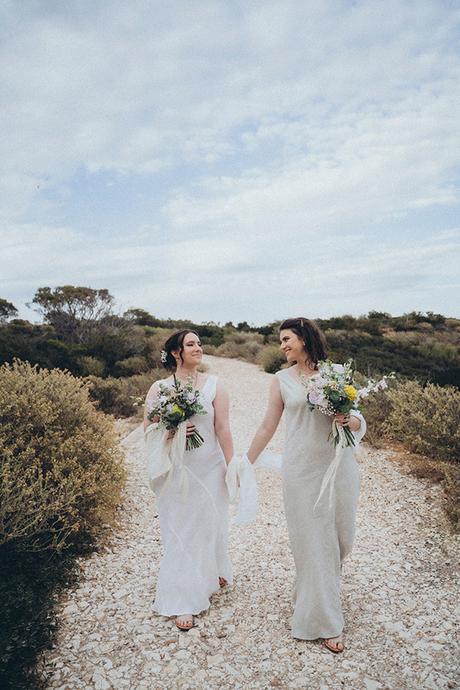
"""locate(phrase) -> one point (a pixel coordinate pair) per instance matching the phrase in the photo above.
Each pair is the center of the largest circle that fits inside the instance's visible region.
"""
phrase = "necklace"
(188, 378)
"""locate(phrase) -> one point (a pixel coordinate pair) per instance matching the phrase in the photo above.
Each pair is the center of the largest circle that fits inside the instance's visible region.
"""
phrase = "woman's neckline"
(171, 380)
(297, 377)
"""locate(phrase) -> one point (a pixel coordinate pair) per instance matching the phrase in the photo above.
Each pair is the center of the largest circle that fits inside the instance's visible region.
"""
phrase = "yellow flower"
(177, 409)
(350, 392)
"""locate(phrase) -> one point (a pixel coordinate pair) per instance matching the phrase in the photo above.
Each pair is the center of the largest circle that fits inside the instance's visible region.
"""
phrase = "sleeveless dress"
(320, 537)
(194, 525)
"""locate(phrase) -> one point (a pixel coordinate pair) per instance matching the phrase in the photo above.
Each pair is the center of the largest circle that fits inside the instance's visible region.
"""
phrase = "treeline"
(81, 332)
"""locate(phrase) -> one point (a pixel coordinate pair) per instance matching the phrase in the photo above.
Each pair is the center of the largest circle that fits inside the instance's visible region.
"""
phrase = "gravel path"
(400, 596)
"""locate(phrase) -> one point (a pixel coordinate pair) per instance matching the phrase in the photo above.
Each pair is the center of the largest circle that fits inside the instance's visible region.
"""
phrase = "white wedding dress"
(193, 521)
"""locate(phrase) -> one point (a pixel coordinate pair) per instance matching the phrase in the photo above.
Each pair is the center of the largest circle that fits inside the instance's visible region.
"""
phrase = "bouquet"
(174, 405)
(332, 391)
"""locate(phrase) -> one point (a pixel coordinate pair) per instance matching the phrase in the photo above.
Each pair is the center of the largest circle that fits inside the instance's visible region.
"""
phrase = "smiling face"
(292, 346)
(192, 352)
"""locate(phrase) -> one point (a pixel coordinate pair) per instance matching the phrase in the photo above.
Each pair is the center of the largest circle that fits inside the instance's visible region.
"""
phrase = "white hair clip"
(163, 356)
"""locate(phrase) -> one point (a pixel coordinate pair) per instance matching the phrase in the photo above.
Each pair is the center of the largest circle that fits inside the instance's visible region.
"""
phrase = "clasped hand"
(342, 419)
(191, 428)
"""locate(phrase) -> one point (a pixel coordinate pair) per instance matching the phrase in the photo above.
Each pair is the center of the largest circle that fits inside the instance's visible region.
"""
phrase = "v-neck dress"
(320, 537)
(194, 525)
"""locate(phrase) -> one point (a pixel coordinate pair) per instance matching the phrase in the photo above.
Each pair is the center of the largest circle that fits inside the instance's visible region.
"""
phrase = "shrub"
(271, 359)
(60, 481)
(115, 396)
(426, 419)
(241, 345)
(91, 366)
(61, 472)
(376, 409)
(130, 366)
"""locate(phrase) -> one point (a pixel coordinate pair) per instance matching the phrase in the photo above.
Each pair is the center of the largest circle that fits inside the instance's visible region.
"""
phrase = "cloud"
(262, 140)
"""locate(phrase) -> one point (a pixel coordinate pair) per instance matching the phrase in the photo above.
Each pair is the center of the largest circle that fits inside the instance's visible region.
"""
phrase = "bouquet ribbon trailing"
(344, 438)
(165, 456)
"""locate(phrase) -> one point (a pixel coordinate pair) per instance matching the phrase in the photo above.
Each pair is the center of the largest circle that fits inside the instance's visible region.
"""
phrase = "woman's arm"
(150, 397)
(271, 420)
(222, 423)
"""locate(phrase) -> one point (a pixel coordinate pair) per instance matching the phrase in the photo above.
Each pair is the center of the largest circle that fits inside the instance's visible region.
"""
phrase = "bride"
(320, 537)
(193, 513)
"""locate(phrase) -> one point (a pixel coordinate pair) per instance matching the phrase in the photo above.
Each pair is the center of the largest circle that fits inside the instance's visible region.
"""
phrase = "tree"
(73, 311)
(7, 310)
(141, 317)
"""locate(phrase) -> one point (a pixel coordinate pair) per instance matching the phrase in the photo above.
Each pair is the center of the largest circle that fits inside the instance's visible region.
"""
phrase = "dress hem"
(310, 638)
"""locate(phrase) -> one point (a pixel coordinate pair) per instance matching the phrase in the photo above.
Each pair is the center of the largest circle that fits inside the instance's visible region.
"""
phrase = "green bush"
(115, 396)
(61, 477)
(426, 419)
(131, 366)
(61, 472)
(271, 359)
(376, 409)
(91, 366)
(241, 345)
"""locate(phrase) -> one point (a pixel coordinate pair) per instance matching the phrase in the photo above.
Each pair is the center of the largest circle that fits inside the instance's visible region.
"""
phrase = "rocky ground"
(400, 592)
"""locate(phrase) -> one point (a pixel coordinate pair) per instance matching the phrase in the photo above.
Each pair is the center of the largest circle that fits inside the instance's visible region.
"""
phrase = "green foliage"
(271, 358)
(83, 335)
(241, 345)
(61, 471)
(426, 419)
(91, 366)
(115, 395)
(61, 477)
(73, 311)
(7, 310)
(131, 366)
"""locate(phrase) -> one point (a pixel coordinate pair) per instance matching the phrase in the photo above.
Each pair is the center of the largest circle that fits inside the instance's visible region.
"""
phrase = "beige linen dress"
(320, 537)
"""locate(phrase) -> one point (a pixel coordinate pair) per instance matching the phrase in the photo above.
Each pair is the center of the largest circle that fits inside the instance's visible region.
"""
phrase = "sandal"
(222, 582)
(335, 646)
(184, 625)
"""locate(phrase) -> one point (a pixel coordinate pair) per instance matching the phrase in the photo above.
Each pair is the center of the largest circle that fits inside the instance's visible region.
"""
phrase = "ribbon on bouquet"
(165, 455)
(240, 478)
(339, 437)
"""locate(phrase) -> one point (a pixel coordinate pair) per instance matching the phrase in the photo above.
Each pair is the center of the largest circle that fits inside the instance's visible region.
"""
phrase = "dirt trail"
(400, 596)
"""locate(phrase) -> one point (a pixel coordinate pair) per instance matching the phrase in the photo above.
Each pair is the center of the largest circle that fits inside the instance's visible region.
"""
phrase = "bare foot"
(334, 644)
(222, 582)
(184, 622)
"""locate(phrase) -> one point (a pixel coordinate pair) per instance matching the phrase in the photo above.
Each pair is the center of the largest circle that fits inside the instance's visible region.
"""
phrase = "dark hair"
(312, 336)
(175, 342)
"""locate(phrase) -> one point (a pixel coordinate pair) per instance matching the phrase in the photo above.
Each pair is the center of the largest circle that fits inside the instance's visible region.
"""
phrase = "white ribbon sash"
(239, 468)
(164, 455)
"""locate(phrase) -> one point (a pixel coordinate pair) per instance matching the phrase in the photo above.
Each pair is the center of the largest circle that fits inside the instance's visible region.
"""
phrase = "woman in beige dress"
(320, 536)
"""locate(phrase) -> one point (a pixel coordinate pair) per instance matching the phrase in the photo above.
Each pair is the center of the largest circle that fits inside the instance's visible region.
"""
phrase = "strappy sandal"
(184, 626)
(334, 647)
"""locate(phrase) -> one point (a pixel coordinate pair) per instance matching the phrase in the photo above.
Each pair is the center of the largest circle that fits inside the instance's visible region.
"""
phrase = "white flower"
(316, 397)
(338, 368)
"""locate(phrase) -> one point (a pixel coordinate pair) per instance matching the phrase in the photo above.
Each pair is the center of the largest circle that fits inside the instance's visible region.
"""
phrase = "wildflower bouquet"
(332, 391)
(174, 405)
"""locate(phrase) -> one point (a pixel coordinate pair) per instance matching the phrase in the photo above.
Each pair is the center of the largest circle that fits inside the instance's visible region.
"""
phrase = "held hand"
(342, 419)
(191, 428)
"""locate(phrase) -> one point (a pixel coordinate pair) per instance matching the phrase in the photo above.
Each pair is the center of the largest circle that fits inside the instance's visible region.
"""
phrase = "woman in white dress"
(320, 537)
(193, 513)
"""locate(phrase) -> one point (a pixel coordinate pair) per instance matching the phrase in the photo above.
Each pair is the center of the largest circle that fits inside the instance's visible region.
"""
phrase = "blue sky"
(233, 160)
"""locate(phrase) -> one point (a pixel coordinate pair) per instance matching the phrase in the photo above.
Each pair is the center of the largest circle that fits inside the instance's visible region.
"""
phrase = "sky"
(232, 160)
